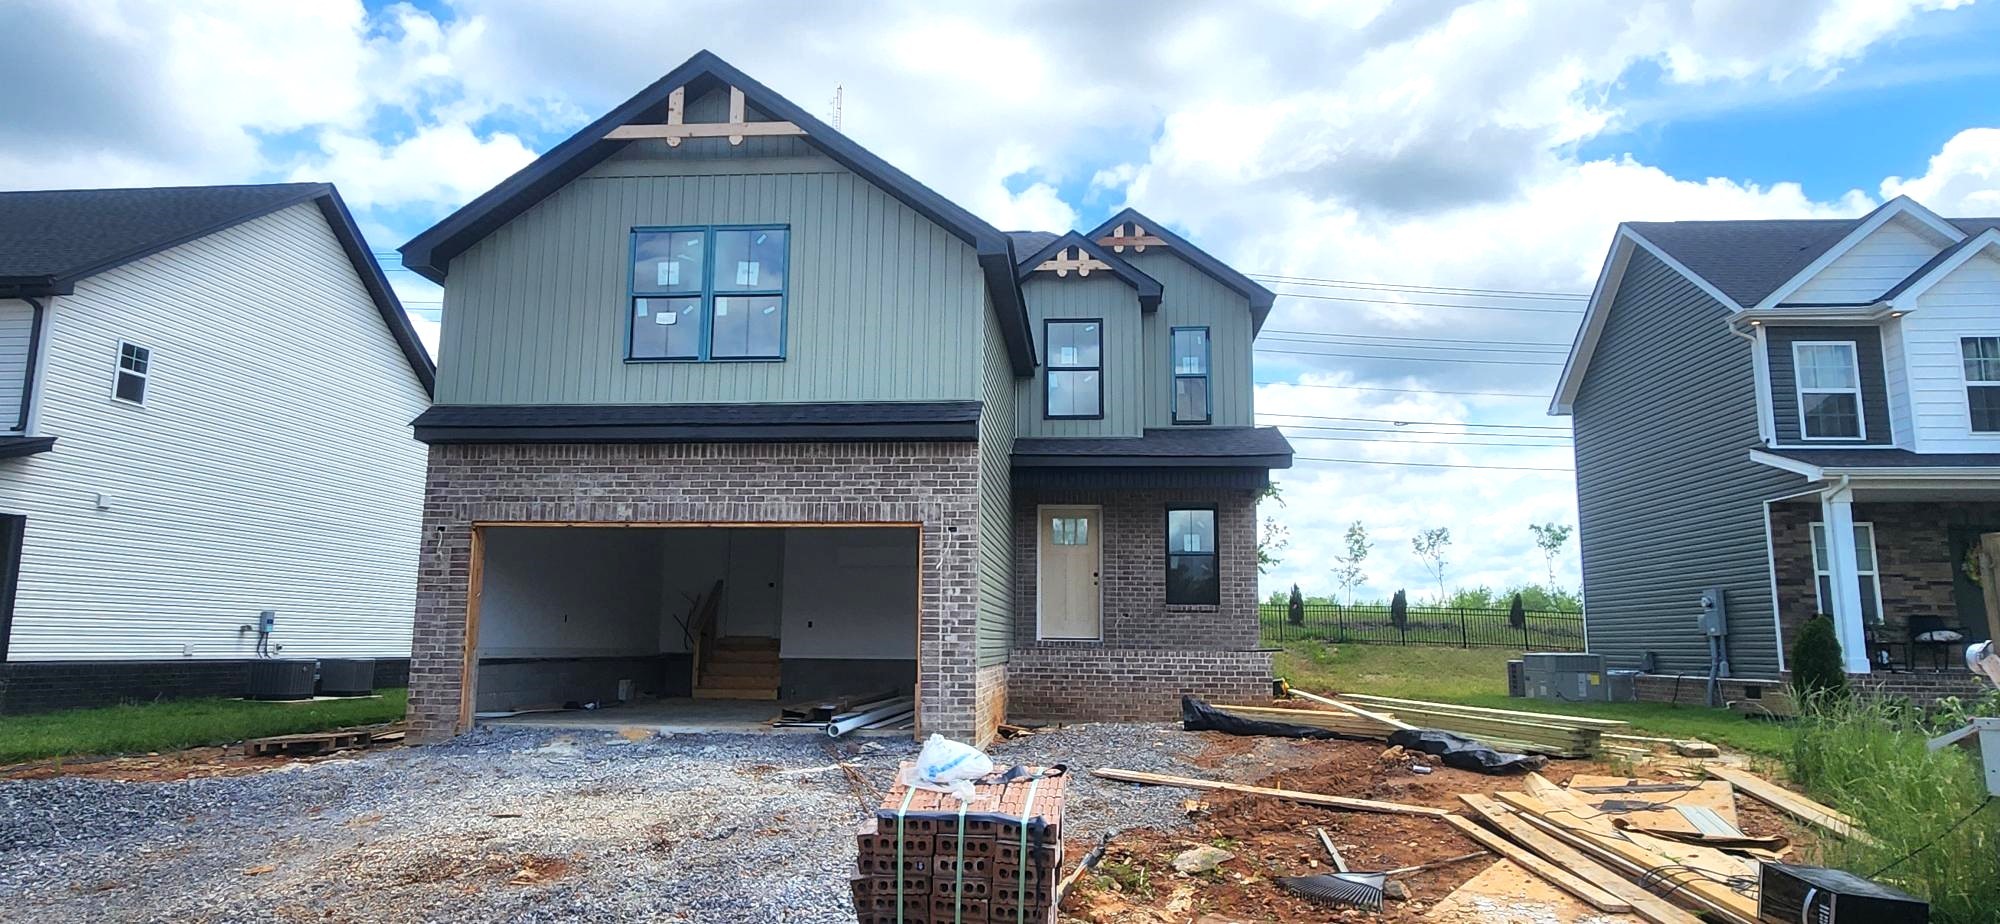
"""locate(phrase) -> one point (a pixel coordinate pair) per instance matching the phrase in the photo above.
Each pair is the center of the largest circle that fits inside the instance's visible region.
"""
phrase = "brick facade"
(931, 485)
(1914, 545)
(1150, 653)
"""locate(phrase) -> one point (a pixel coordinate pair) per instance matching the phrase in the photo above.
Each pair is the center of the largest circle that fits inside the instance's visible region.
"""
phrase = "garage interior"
(614, 616)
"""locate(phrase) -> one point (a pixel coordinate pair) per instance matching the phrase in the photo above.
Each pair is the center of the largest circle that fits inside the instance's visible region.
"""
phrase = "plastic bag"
(1462, 753)
(949, 766)
(1199, 716)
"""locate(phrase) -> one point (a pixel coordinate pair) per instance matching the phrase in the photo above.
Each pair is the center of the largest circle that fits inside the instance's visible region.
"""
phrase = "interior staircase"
(738, 667)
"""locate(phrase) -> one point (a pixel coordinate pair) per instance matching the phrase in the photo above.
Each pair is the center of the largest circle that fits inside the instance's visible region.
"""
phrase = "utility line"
(1414, 346)
(1370, 439)
(1498, 468)
(1543, 439)
(1430, 359)
(1329, 333)
(1421, 423)
(1391, 301)
(1416, 287)
(1415, 391)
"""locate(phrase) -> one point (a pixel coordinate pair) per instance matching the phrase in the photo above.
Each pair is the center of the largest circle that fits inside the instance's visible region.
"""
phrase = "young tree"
(1349, 575)
(1551, 537)
(1295, 608)
(1271, 540)
(1430, 545)
(1517, 613)
(1399, 610)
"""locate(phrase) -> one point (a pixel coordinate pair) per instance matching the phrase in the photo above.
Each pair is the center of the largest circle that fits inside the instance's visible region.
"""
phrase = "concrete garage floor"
(678, 716)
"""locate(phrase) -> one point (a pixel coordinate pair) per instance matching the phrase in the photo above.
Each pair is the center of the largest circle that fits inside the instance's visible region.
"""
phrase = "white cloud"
(439, 164)
(1963, 179)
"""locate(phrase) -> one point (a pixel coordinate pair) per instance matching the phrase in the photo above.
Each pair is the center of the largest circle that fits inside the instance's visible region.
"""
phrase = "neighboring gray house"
(1805, 414)
(710, 355)
(205, 393)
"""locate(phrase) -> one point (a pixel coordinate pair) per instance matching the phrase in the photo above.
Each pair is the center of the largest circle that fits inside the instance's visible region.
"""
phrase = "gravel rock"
(515, 825)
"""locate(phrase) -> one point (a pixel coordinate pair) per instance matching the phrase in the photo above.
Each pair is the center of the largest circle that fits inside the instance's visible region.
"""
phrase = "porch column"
(1836, 506)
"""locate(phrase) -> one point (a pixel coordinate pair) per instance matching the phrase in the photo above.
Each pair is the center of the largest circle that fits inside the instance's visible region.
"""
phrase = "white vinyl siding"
(1965, 303)
(17, 323)
(1872, 266)
(271, 467)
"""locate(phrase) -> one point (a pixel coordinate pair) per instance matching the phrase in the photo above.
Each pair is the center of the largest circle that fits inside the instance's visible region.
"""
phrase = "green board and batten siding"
(1191, 299)
(996, 539)
(883, 305)
(1122, 353)
(1668, 500)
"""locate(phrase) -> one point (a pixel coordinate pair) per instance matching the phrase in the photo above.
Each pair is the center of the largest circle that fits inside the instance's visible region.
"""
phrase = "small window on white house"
(134, 364)
(1865, 570)
(1829, 381)
(1982, 381)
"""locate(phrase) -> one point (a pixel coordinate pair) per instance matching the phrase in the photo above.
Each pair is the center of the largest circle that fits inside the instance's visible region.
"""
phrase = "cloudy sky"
(1431, 185)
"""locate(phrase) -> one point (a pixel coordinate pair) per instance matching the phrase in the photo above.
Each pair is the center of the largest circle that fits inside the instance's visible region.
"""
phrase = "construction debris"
(325, 742)
(1791, 803)
(1309, 798)
(1528, 732)
(1201, 859)
(1455, 750)
(926, 856)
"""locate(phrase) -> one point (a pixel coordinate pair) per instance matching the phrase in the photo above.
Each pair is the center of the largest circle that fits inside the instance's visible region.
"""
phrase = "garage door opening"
(689, 627)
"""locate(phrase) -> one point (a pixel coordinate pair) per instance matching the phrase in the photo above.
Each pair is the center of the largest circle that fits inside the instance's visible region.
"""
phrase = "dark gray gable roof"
(1030, 241)
(1889, 458)
(1147, 287)
(653, 423)
(1169, 446)
(430, 253)
(51, 239)
(1259, 297)
(1748, 260)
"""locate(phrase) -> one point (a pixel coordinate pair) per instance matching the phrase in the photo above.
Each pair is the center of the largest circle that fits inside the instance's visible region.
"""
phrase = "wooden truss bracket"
(677, 128)
(1130, 234)
(1071, 258)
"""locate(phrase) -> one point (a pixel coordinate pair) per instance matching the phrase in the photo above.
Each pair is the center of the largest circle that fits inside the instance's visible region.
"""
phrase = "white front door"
(1067, 573)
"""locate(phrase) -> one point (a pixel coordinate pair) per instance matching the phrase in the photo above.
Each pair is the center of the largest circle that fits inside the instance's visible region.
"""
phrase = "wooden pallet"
(308, 743)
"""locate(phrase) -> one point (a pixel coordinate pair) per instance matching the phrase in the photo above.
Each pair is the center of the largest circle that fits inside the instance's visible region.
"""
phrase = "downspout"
(28, 368)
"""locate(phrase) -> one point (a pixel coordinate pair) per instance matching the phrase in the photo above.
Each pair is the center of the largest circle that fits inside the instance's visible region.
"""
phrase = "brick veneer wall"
(932, 484)
(1922, 689)
(45, 686)
(1131, 684)
(1150, 653)
(1912, 542)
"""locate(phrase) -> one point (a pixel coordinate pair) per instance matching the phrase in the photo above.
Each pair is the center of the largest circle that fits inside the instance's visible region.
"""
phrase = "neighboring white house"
(205, 399)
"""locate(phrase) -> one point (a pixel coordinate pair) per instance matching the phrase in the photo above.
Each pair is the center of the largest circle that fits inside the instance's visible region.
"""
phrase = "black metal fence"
(1448, 626)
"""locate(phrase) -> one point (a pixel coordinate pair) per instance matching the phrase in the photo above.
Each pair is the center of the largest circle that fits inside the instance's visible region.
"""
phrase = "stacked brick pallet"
(922, 861)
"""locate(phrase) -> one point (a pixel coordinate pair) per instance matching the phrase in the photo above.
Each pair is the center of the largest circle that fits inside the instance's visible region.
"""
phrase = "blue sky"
(1409, 152)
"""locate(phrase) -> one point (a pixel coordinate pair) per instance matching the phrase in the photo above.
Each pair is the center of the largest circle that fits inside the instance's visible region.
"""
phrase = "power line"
(1415, 346)
(1496, 468)
(1415, 391)
(1391, 301)
(1329, 333)
(1430, 359)
(1370, 439)
(1323, 282)
(1547, 440)
(1422, 423)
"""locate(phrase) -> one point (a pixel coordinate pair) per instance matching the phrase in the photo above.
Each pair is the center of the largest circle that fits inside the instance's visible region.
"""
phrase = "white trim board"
(1901, 206)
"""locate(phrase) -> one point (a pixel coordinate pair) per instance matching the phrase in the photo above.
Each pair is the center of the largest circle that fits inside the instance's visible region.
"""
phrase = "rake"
(1359, 890)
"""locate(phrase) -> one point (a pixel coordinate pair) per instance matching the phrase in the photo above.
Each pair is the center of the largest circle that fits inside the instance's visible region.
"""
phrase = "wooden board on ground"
(1617, 796)
(1506, 892)
(1645, 904)
(308, 743)
(1313, 718)
(1310, 798)
(1389, 702)
(1560, 878)
(1791, 803)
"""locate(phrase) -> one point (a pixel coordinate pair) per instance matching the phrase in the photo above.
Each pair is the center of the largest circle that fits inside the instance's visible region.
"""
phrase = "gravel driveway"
(510, 825)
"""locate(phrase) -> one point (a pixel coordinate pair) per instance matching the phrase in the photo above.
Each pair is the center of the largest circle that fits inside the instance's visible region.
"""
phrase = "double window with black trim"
(1074, 368)
(712, 293)
(1192, 577)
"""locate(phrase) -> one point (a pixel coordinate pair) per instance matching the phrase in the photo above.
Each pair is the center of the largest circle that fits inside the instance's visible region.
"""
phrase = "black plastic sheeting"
(1456, 751)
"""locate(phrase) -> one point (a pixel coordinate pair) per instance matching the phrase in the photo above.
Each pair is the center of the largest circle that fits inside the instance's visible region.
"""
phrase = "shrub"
(1295, 609)
(1517, 613)
(1816, 669)
(1399, 611)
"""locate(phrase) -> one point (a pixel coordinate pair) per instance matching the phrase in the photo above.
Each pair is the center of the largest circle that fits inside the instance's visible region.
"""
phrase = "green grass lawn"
(1479, 678)
(184, 723)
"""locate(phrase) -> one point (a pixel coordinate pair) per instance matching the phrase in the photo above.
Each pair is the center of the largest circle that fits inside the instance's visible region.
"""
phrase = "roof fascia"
(1259, 297)
(1903, 206)
(1148, 288)
(379, 290)
(1810, 471)
(1905, 299)
(1032, 460)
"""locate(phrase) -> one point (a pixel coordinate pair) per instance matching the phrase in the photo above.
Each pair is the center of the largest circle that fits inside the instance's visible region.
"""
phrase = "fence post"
(1464, 637)
(1340, 623)
(1524, 632)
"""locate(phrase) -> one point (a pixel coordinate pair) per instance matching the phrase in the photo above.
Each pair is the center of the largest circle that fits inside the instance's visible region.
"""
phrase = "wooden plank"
(1598, 898)
(1382, 717)
(1597, 837)
(1584, 721)
(1313, 718)
(737, 130)
(1791, 803)
(1643, 903)
(468, 665)
(1310, 798)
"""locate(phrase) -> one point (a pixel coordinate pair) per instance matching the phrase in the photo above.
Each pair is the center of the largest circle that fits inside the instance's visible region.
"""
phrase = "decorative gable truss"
(677, 128)
(1129, 233)
(1071, 259)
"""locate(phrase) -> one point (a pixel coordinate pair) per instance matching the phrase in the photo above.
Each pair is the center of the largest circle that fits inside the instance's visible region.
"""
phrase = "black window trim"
(1207, 383)
(1047, 368)
(706, 297)
(1214, 553)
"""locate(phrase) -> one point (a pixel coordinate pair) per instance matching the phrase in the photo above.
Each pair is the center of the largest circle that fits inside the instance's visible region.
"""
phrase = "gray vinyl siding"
(1668, 501)
(17, 323)
(1123, 354)
(883, 305)
(1190, 298)
(1785, 384)
(996, 550)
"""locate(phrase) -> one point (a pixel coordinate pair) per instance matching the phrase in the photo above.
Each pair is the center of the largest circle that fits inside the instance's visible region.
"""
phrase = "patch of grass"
(1127, 877)
(1869, 759)
(176, 724)
(1479, 678)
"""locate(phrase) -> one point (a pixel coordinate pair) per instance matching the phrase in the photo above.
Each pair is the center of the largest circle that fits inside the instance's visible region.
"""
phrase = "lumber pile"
(926, 858)
(1528, 732)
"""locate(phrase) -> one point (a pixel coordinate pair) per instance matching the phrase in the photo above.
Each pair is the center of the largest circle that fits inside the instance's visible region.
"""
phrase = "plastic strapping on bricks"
(958, 893)
(1021, 888)
(910, 792)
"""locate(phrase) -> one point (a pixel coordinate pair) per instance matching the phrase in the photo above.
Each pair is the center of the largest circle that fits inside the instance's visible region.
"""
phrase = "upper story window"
(709, 293)
(1075, 370)
(1829, 382)
(1191, 404)
(135, 364)
(1982, 381)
